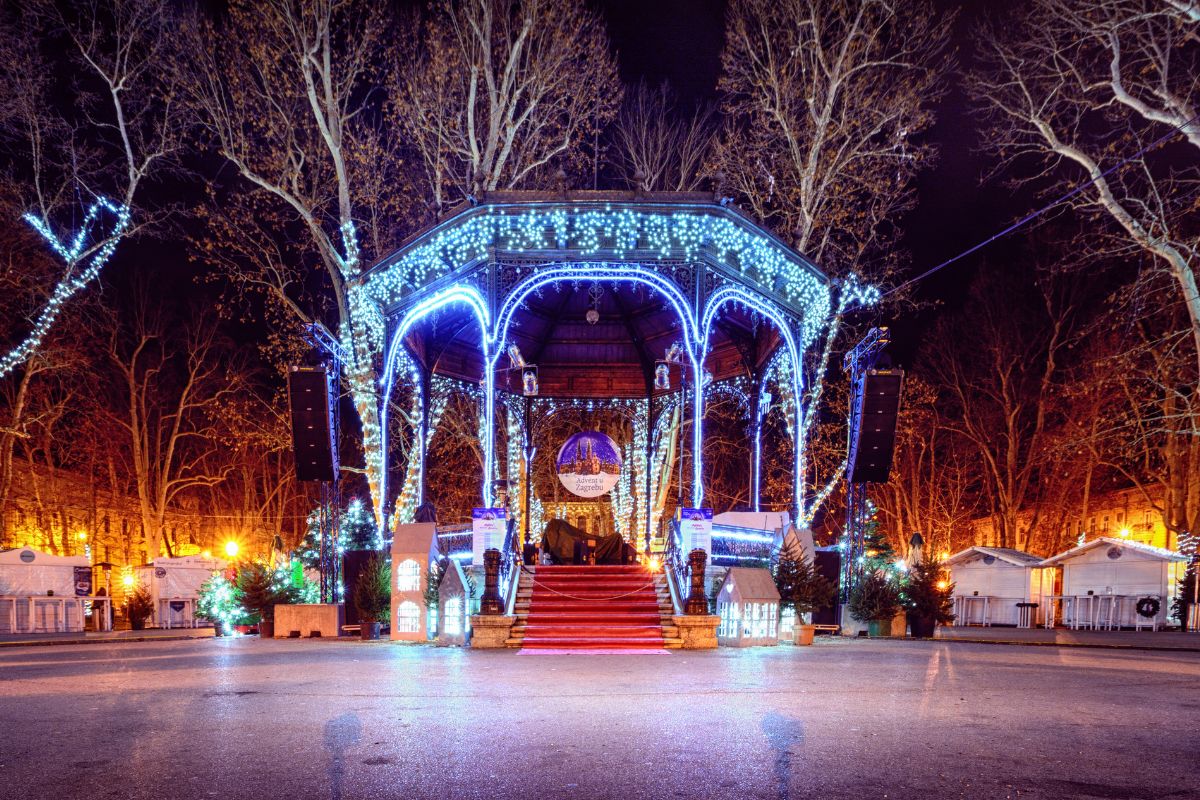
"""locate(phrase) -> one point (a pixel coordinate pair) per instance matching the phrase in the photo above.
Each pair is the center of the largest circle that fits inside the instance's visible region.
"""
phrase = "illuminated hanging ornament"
(529, 381)
(593, 313)
(662, 376)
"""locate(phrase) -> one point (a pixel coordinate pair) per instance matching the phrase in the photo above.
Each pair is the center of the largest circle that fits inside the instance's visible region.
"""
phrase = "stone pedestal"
(324, 619)
(490, 631)
(698, 632)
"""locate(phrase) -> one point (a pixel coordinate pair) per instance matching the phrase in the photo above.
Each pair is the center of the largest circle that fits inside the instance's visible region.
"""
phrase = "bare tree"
(655, 147)
(288, 95)
(171, 383)
(930, 490)
(504, 94)
(115, 62)
(1072, 87)
(826, 102)
(1000, 381)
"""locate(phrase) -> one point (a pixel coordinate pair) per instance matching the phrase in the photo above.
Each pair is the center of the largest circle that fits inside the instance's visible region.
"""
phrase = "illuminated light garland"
(734, 536)
(466, 241)
(470, 297)
(810, 512)
(598, 230)
(74, 282)
(599, 272)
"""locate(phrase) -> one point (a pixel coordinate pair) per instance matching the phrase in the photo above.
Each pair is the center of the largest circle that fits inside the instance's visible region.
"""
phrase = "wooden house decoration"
(748, 605)
(413, 548)
(457, 597)
(1110, 583)
(998, 586)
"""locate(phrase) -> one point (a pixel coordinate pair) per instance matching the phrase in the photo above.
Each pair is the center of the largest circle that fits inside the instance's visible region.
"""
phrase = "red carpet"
(593, 609)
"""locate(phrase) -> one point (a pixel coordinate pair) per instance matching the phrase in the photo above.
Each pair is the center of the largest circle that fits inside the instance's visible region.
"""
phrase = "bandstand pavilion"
(617, 301)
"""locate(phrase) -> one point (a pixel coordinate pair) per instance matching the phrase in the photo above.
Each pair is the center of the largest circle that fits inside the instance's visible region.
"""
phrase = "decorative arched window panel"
(454, 616)
(408, 617)
(408, 576)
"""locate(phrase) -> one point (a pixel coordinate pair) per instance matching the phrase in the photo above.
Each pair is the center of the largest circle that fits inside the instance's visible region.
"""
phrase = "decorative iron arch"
(455, 295)
(601, 271)
(736, 294)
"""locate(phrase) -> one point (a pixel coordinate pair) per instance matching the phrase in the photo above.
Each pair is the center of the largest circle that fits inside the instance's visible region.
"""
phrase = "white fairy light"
(72, 254)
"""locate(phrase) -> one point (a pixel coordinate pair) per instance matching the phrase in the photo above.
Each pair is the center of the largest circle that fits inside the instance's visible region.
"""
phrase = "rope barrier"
(536, 582)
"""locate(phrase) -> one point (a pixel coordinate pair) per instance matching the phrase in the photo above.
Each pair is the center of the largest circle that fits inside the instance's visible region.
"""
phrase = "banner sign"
(83, 581)
(588, 464)
(487, 531)
(695, 528)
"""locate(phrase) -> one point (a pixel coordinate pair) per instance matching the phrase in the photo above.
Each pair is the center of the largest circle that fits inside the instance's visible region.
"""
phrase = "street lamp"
(231, 548)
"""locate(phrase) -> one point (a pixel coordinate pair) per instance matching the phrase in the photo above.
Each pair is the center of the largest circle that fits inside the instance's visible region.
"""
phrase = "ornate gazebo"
(616, 300)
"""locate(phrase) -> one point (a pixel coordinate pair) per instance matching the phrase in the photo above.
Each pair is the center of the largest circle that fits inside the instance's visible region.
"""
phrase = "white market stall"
(44, 593)
(174, 586)
(1115, 583)
(998, 586)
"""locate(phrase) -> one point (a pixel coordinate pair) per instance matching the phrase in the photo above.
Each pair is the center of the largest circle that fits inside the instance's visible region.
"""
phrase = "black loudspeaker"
(828, 564)
(309, 392)
(873, 434)
(354, 562)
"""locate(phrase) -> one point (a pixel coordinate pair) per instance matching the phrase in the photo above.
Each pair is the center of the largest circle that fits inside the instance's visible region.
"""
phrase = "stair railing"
(510, 568)
(675, 565)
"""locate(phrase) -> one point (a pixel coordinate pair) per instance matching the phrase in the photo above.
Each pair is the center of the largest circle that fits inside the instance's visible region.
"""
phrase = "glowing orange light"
(942, 585)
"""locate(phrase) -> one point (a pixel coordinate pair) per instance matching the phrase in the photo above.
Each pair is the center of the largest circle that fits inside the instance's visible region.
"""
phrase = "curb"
(122, 640)
(1091, 645)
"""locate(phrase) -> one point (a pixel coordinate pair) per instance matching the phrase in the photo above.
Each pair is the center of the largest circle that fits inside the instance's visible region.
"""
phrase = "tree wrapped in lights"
(218, 602)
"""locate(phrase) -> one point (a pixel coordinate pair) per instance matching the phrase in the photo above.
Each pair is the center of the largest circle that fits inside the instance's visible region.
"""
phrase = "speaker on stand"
(312, 401)
(874, 407)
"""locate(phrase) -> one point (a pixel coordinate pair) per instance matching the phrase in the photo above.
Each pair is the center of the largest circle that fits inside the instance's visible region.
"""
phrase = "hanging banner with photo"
(487, 531)
(695, 528)
(588, 464)
(83, 581)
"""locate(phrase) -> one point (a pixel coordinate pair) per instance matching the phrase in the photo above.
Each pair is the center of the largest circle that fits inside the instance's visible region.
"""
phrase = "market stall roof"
(1018, 558)
(1104, 541)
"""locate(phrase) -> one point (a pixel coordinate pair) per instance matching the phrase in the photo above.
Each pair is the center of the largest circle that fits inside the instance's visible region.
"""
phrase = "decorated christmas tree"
(356, 531)
(800, 586)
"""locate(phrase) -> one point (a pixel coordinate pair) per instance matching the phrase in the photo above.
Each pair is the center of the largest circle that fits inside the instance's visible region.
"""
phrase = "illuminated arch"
(737, 294)
(455, 295)
(599, 272)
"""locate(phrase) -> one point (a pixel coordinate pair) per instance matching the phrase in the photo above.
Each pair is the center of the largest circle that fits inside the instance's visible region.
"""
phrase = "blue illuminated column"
(757, 411)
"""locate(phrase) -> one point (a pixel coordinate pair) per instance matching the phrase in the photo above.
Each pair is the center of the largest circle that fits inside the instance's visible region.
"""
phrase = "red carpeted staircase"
(592, 608)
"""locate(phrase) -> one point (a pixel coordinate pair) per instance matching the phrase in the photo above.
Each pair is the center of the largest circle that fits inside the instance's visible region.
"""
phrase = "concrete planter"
(698, 632)
(490, 632)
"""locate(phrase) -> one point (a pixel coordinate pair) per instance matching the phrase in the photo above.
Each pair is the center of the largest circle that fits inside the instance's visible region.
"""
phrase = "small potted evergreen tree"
(259, 592)
(373, 595)
(138, 608)
(927, 598)
(875, 600)
(801, 588)
(219, 603)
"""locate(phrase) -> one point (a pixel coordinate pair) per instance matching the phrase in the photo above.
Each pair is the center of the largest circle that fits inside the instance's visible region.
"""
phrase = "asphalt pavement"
(847, 718)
